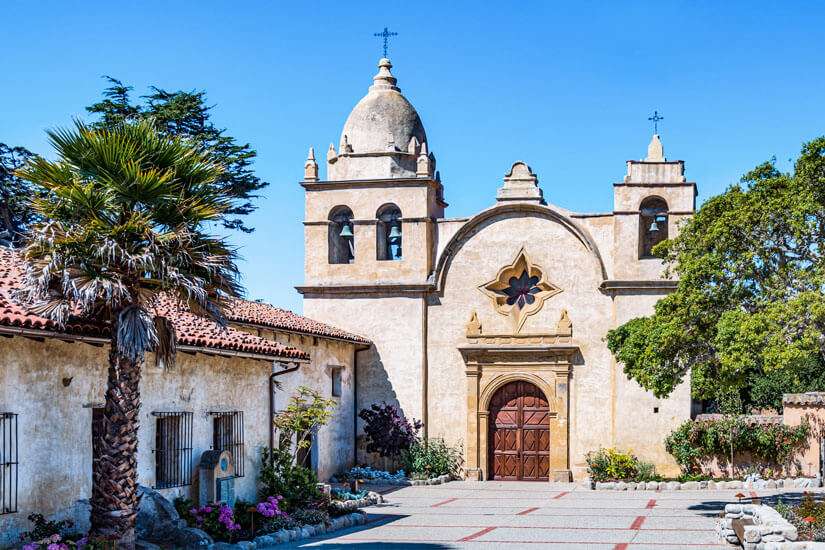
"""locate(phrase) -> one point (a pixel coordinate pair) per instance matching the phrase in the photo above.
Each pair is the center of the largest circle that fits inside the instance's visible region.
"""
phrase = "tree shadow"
(714, 508)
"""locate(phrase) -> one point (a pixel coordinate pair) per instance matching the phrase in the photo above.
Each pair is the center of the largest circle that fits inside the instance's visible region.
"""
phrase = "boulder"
(157, 518)
(224, 546)
(734, 484)
(690, 485)
(673, 486)
(144, 545)
(189, 537)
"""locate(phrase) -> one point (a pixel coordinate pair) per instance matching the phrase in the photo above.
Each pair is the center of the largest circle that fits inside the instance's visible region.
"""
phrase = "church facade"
(490, 328)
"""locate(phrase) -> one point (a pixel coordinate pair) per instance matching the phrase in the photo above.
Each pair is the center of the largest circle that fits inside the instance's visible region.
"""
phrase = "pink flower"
(199, 518)
(193, 511)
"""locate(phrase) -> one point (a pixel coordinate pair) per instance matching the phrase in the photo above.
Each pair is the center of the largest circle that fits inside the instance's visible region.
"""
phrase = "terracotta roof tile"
(192, 330)
(259, 313)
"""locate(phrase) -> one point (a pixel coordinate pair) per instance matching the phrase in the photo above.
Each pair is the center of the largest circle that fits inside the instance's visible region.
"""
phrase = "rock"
(284, 536)
(703, 484)
(157, 518)
(189, 537)
(690, 486)
(224, 546)
(734, 484)
(733, 539)
(752, 533)
(673, 486)
(780, 483)
(247, 545)
(733, 508)
(631, 485)
(145, 545)
(307, 532)
(621, 486)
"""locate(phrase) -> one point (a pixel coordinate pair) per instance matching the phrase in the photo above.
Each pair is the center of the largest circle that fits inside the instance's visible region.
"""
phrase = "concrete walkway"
(496, 515)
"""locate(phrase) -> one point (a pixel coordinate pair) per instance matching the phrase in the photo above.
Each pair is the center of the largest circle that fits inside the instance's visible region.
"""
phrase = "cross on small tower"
(656, 118)
(385, 34)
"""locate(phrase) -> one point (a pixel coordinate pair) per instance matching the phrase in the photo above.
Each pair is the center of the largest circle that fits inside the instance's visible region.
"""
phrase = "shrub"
(368, 473)
(432, 458)
(216, 519)
(388, 432)
(44, 528)
(280, 478)
(796, 514)
(611, 465)
(646, 471)
(697, 441)
(311, 515)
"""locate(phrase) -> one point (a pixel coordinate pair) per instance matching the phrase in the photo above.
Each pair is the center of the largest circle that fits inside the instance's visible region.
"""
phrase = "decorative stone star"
(520, 289)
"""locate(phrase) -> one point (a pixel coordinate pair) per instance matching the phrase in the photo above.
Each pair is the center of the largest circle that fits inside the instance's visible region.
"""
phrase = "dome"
(383, 120)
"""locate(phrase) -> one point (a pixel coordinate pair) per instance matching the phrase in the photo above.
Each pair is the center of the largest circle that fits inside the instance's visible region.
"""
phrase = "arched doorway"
(519, 433)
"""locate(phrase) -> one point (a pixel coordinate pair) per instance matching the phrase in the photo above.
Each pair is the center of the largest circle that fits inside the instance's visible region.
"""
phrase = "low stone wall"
(404, 482)
(800, 482)
(770, 530)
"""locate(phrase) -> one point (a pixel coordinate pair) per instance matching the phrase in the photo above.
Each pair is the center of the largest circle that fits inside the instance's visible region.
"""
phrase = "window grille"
(173, 449)
(227, 435)
(8, 463)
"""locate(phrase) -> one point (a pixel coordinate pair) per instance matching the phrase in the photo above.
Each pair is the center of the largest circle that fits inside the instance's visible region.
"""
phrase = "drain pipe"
(272, 406)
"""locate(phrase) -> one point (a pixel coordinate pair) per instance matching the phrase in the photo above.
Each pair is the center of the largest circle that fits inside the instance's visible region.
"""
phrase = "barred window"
(173, 449)
(227, 435)
(8, 463)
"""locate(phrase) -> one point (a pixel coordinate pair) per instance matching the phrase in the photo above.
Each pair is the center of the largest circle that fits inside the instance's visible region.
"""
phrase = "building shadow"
(715, 508)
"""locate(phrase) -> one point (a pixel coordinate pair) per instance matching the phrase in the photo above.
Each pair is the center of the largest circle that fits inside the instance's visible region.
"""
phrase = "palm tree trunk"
(114, 472)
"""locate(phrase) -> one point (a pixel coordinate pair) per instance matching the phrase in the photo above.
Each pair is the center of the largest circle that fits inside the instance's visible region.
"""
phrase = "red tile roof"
(259, 313)
(192, 330)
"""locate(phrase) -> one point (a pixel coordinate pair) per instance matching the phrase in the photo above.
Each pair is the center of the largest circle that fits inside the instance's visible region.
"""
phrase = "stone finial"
(655, 151)
(384, 80)
(474, 326)
(413, 146)
(311, 167)
(423, 168)
(564, 326)
(345, 145)
(521, 185)
(332, 156)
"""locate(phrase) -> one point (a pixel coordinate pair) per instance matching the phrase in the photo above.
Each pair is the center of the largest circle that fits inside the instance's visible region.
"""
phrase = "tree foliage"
(751, 271)
(388, 432)
(16, 212)
(187, 115)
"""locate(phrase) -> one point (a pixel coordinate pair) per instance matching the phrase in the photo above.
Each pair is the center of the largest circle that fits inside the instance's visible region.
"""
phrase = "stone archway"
(519, 433)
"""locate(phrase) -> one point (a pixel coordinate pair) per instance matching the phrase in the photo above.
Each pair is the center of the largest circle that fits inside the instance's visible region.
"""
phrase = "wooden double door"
(519, 438)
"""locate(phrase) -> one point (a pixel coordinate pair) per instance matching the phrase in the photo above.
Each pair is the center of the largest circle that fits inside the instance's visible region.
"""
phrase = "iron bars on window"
(173, 449)
(8, 463)
(227, 435)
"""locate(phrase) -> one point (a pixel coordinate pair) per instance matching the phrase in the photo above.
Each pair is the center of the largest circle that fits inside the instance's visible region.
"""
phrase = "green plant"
(695, 441)
(610, 464)
(432, 458)
(306, 412)
(216, 519)
(44, 528)
(280, 477)
(646, 471)
(311, 515)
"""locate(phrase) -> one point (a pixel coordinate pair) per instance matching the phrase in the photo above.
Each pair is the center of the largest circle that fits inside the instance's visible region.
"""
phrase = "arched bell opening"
(388, 234)
(340, 236)
(653, 225)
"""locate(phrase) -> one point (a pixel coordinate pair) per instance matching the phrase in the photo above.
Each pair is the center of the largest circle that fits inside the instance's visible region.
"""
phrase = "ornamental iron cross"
(656, 118)
(385, 34)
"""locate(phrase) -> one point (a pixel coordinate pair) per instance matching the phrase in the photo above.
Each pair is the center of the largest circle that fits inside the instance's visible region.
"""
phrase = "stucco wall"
(54, 421)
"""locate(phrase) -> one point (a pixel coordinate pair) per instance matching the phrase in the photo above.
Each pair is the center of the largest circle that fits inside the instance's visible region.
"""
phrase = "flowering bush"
(610, 464)
(216, 519)
(796, 514)
(269, 508)
(433, 458)
(696, 441)
(58, 542)
(340, 494)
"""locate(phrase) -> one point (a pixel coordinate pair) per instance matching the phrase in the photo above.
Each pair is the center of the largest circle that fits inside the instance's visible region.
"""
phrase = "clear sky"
(566, 87)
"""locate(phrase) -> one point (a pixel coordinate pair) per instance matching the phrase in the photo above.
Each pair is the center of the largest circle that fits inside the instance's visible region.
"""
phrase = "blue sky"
(566, 87)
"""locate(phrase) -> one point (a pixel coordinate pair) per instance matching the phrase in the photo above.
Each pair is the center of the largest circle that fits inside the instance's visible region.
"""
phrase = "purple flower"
(82, 542)
(208, 509)
(55, 538)
(199, 518)
(53, 546)
(193, 511)
(31, 546)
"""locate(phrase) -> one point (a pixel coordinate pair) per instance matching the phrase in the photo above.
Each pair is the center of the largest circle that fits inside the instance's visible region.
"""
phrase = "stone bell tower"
(648, 204)
(371, 221)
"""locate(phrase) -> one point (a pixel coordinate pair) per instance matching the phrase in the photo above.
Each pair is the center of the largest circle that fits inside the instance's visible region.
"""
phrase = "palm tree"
(127, 216)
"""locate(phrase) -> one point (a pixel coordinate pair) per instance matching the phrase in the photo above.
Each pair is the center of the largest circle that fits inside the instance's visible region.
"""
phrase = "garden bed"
(369, 476)
(711, 485)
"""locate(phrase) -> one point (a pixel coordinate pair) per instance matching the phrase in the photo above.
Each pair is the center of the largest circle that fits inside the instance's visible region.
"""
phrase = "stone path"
(496, 515)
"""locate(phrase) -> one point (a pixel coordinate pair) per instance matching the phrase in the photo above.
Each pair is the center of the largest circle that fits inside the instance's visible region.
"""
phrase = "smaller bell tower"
(647, 206)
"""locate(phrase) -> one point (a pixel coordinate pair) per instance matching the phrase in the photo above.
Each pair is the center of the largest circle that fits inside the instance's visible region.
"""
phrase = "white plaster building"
(490, 328)
(52, 384)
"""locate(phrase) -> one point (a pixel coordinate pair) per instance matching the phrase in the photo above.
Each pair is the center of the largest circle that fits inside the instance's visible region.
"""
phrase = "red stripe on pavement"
(637, 523)
(560, 495)
(753, 494)
(527, 511)
(476, 535)
(650, 505)
(620, 546)
(445, 502)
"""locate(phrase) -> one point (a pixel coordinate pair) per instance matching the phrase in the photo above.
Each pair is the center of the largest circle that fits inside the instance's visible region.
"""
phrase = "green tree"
(751, 271)
(187, 115)
(124, 218)
(16, 213)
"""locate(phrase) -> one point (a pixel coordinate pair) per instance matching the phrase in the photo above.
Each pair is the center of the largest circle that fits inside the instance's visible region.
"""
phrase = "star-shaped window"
(520, 289)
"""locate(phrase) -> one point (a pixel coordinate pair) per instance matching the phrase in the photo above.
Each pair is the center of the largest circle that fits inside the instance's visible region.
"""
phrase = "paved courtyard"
(495, 515)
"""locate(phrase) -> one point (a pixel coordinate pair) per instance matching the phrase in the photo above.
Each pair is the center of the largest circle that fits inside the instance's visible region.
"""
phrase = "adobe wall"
(51, 386)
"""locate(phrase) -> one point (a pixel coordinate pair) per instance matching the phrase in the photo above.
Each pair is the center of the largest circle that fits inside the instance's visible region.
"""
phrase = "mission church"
(490, 329)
